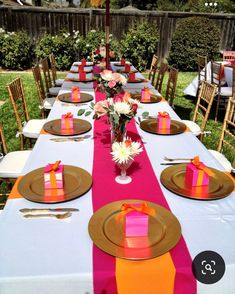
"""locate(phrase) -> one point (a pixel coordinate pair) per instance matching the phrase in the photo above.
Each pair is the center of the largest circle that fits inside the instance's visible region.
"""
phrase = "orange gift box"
(164, 120)
(67, 121)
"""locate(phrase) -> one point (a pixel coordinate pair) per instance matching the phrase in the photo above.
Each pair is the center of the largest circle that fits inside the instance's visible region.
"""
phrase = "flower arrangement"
(120, 111)
(111, 83)
(125, 151)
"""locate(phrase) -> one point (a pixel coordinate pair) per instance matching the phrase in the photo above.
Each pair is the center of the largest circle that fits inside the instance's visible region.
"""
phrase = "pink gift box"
(131, 77)
(83, 62)
(76, 95)
(123, 61)
(136, 224)
(66, 121)
(82, 76)
(127, 67)
(80, 68)
(163, 120)
(145, 94)
(53, 179)
(196, 177)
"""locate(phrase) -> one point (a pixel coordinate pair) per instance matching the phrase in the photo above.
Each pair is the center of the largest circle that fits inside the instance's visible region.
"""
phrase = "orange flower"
(96, 3)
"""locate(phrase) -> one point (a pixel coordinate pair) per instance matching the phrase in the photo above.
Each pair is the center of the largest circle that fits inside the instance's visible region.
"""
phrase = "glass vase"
(118, 133)
(123, 178)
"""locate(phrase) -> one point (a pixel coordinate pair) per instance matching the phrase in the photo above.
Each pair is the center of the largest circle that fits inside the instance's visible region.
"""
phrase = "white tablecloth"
(55, 256)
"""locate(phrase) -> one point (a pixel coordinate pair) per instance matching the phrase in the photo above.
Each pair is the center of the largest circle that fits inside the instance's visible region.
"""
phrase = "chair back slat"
(171, 86)
(16, 93)
(204, 102)
(3, 147)
(160, 76)
(227, 138)
(39, 83)
(46, 73)
(153, 69)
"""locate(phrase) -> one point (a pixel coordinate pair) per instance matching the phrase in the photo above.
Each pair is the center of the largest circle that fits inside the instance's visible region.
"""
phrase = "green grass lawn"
(184, 107)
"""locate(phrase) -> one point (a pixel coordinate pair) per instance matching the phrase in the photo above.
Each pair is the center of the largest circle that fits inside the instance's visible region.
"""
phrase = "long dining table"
(58, 256)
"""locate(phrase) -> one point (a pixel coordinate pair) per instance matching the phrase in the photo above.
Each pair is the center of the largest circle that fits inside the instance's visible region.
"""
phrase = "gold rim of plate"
(119, 64)
(66, 97)
(153, 98)
(136, 81)
(151, 126)
(87, 80)
(77, 72)
(80, 126)
(88, 64)
(77, 182)
(108, 235)
(220, 185)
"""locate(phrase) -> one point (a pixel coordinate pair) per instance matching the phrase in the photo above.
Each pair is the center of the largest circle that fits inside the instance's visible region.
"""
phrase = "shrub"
(16, 50)
(194, 36)
(61, 45)
(139, 44)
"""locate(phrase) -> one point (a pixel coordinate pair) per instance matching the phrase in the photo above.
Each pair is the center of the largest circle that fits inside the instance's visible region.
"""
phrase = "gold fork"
(58, 216)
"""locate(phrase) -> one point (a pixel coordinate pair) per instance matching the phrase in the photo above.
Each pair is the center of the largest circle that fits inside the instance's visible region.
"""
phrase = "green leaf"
(88, 113)
(80, 112)
(92, 104)
(145, 114)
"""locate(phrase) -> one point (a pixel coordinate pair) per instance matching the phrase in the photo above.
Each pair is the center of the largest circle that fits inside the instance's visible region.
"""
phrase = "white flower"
(122, 108)
(106, 75)
(93, 31)
(135, 148)
(77, 41)
(2, 30)
(87, 45)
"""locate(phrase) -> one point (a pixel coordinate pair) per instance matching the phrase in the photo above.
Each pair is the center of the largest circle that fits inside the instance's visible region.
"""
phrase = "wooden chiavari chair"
(227, 138)
(46, 103)
(160, 76)
(202, 109)
(171, 86)
(27, 129)
(11, 164)
(153, 69)
(56, 81)
(202, 70)
(52, 91)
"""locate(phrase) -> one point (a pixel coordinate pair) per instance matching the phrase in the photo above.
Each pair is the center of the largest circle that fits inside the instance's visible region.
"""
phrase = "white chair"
(202, 109)
(11, 164)
(227, 138)
(27, 129)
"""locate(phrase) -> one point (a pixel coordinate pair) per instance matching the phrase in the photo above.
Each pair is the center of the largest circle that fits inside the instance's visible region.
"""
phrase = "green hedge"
(194, 36)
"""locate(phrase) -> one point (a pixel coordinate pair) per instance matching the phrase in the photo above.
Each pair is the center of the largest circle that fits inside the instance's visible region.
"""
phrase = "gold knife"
(27, 210)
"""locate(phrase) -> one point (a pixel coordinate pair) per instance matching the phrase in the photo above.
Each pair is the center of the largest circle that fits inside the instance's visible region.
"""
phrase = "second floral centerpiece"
(119, 111)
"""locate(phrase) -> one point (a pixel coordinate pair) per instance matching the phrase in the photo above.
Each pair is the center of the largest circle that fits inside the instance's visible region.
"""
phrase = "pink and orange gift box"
(136, 219)
(163, 120)
(67, 121)
(76, 94)
(197, 174)
(145, 94)
(53, 176)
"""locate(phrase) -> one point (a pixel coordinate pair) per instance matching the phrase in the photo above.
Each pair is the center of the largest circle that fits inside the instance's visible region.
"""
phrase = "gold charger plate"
(220, 185)
(119, 64)
(153, 98)
(77, 182)
(88, 64)
(80, 126)
(138, 80)
(76, 71)
(108, 235)
(87, 80)
(150, 126)
(66, 97)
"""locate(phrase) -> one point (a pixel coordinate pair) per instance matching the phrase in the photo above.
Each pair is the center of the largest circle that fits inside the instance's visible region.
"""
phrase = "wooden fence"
(37, 20)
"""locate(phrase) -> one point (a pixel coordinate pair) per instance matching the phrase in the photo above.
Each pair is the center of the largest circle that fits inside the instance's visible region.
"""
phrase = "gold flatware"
(67, 139)
(58, 216)
(28, 210)
(176, 159)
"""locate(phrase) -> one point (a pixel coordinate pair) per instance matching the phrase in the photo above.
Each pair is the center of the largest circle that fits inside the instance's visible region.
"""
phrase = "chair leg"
(217, 107)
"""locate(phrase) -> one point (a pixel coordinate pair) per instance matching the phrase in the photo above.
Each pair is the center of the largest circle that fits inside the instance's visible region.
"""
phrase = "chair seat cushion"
(226, 91)
(12, 164)
(59, 82)
(33, 128)
(48, 102)
(195, 129)
(54, 91)
(222, 160)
